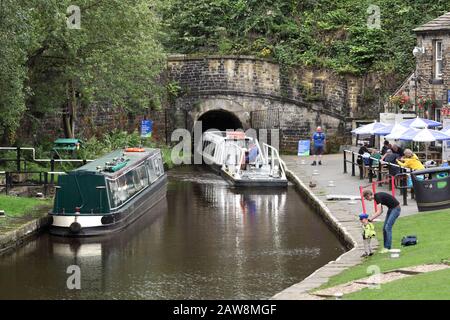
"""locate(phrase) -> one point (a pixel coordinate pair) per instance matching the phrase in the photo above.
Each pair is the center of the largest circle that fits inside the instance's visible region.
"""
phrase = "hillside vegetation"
(330, 34)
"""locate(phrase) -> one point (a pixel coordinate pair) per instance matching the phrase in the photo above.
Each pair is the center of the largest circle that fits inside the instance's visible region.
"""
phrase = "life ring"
(134, 150)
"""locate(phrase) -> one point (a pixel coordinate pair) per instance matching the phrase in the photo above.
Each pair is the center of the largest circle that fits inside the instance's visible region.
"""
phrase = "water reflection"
(206, 241)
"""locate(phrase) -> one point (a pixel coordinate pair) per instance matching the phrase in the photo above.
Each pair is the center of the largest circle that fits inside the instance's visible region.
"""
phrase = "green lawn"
(432, 230)
(18, 206)
(427, 286)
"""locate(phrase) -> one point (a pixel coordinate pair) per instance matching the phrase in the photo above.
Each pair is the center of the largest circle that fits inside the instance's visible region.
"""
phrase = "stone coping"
(300, 291)
(12, 239)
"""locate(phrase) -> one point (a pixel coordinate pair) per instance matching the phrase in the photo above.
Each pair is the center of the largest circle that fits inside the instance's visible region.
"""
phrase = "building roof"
(441, 23)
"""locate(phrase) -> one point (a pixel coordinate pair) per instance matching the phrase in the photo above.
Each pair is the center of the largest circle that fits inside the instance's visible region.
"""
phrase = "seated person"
(386, 147)
(410, 161)
(391, 157)
(376, 156)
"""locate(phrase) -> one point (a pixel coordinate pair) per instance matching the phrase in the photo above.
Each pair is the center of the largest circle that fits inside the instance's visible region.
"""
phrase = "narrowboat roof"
(132, 157)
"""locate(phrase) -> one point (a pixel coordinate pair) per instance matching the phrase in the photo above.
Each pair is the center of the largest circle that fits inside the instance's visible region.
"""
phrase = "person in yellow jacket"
(410, 161)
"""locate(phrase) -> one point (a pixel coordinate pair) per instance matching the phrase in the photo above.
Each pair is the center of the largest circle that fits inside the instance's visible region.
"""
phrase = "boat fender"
(75, 227)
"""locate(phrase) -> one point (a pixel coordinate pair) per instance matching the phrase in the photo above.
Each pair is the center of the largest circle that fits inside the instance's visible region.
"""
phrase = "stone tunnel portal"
(219, 119)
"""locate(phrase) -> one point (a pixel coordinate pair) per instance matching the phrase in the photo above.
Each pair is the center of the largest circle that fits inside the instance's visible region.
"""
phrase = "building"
(427, 90)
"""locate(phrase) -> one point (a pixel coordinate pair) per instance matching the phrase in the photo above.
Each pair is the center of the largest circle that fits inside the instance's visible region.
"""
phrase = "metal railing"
(46, 178)
(42, 180)
(400, 179)
(273, 158)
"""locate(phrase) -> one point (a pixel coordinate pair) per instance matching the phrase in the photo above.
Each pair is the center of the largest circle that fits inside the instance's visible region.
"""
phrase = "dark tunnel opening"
(220, 120)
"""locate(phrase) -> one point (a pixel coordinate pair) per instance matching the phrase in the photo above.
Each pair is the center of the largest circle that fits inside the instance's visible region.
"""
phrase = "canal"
(205, 241)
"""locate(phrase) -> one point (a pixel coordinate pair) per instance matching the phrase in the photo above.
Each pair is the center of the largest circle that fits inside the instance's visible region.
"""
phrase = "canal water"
(205, 241)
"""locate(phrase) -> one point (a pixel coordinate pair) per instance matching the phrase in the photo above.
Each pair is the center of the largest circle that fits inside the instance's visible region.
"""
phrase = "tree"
(14, 37)
(113, 59)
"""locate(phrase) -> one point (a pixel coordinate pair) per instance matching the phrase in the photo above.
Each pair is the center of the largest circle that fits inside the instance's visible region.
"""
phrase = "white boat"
(241, 160)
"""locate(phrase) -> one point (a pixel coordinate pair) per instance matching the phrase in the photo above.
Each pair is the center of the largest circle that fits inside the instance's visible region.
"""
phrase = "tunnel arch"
(220, 119)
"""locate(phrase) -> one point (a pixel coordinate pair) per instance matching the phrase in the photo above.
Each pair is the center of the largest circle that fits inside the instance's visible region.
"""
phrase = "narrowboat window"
(157, 166)
(151, 171)
(131, 187)
(140, 178)
(122, 189)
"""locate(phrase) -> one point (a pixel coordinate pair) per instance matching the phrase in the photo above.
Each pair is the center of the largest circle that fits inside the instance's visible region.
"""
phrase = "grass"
(19, 206)
(428, 286)
(431, 230)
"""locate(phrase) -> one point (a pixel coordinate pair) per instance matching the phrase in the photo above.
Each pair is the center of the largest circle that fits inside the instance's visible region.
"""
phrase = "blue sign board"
(448, 97)
(146, 128)
(304, 147)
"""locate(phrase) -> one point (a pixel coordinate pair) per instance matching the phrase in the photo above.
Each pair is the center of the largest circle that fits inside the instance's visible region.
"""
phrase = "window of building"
(438, 60)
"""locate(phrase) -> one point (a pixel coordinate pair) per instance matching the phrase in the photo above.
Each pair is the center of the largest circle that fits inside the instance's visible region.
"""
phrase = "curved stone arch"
(225, 105)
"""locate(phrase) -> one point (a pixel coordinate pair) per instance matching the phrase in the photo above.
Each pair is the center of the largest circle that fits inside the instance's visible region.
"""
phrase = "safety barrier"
(19, 159)
(42, 180)
(397, 182)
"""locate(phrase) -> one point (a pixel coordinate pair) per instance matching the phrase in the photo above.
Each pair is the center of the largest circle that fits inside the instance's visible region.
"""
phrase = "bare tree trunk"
(69, 117)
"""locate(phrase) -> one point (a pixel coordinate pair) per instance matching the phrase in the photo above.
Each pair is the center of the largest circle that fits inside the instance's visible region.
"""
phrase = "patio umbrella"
(420, 123)
(392, 128)
(424, 135)
(398, 131)
(369, 128)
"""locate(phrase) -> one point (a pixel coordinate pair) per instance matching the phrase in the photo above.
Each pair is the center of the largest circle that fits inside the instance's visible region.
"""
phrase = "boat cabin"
(108, 183)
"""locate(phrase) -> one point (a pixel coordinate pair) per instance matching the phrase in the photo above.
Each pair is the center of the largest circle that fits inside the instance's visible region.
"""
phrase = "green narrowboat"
(108, 194)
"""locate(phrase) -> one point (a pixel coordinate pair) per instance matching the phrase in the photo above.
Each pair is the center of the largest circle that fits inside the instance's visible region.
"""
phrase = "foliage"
(401, 101)
(114, 58)
(94, 148)
(426, 102)
(325, 33)
(14, 38)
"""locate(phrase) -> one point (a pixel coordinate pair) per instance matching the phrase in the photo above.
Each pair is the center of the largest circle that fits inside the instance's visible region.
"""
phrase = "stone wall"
(261, 93)
(247, 85)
